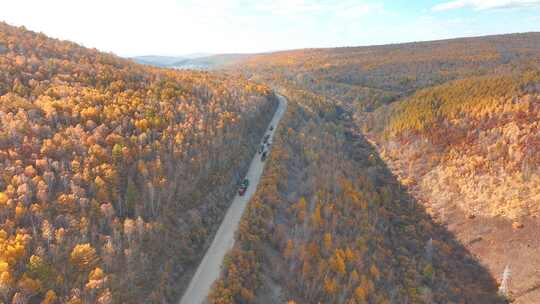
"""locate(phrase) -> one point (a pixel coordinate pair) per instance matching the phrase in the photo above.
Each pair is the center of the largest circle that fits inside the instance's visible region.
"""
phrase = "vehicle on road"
(266, 138)
(261, 149)
(271, 128)
(264, 155)
(243, 187)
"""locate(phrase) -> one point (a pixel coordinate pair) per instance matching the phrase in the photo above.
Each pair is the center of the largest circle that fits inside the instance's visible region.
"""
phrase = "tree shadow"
(448, 270)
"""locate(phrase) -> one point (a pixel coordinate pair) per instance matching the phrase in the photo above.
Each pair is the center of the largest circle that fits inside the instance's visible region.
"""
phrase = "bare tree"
(504, 289)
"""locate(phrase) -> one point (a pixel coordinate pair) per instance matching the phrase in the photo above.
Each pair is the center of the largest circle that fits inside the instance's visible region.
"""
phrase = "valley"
(393, 173)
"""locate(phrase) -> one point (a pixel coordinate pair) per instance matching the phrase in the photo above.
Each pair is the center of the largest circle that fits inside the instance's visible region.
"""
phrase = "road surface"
(210, 267)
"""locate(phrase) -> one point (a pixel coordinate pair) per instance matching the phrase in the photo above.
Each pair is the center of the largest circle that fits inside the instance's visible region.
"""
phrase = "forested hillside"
(475, 134)
(330, 224)
(113, 175)
(468, 149)
(456, 121)
(368, 77)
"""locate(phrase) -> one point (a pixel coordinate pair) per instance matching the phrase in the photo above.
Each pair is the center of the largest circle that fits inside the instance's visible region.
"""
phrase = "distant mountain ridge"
(197, 61)
(166, 61)
(211, 62)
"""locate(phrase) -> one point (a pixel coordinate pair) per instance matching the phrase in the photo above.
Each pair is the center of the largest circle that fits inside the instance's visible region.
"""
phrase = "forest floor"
(210, 267)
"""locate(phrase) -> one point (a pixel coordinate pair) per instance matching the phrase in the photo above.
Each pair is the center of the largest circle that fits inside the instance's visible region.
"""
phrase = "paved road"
(210, 267)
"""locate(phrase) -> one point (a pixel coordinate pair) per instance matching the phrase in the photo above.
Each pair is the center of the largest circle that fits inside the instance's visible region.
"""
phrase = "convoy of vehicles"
(263, 151)
(266, 145)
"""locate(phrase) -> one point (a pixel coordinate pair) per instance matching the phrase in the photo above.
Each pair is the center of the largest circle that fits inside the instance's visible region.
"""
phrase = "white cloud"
(485, 4)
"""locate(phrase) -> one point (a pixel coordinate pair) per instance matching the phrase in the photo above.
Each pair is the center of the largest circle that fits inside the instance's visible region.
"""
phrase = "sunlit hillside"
(112, 175)
(368, 77)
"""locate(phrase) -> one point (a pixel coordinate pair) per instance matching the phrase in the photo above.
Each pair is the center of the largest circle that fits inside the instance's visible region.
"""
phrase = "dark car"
(271, 128)
(264, 155)
(266, 138)
(243, 187)
(261, 149)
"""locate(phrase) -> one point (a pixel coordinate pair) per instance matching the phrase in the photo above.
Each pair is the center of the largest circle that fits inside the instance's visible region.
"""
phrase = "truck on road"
(243, 187)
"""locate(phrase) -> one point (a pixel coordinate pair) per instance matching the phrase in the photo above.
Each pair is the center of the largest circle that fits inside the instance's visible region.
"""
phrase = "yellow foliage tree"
(83, 256)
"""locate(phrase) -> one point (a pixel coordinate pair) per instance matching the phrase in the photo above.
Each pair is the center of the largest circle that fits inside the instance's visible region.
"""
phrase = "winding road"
(210, 267)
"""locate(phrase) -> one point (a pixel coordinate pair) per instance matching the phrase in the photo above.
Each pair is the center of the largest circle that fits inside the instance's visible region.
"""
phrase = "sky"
(176, 27)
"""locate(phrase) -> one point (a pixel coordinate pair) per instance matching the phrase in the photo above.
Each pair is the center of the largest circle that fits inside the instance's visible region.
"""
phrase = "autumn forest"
(398, 173)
